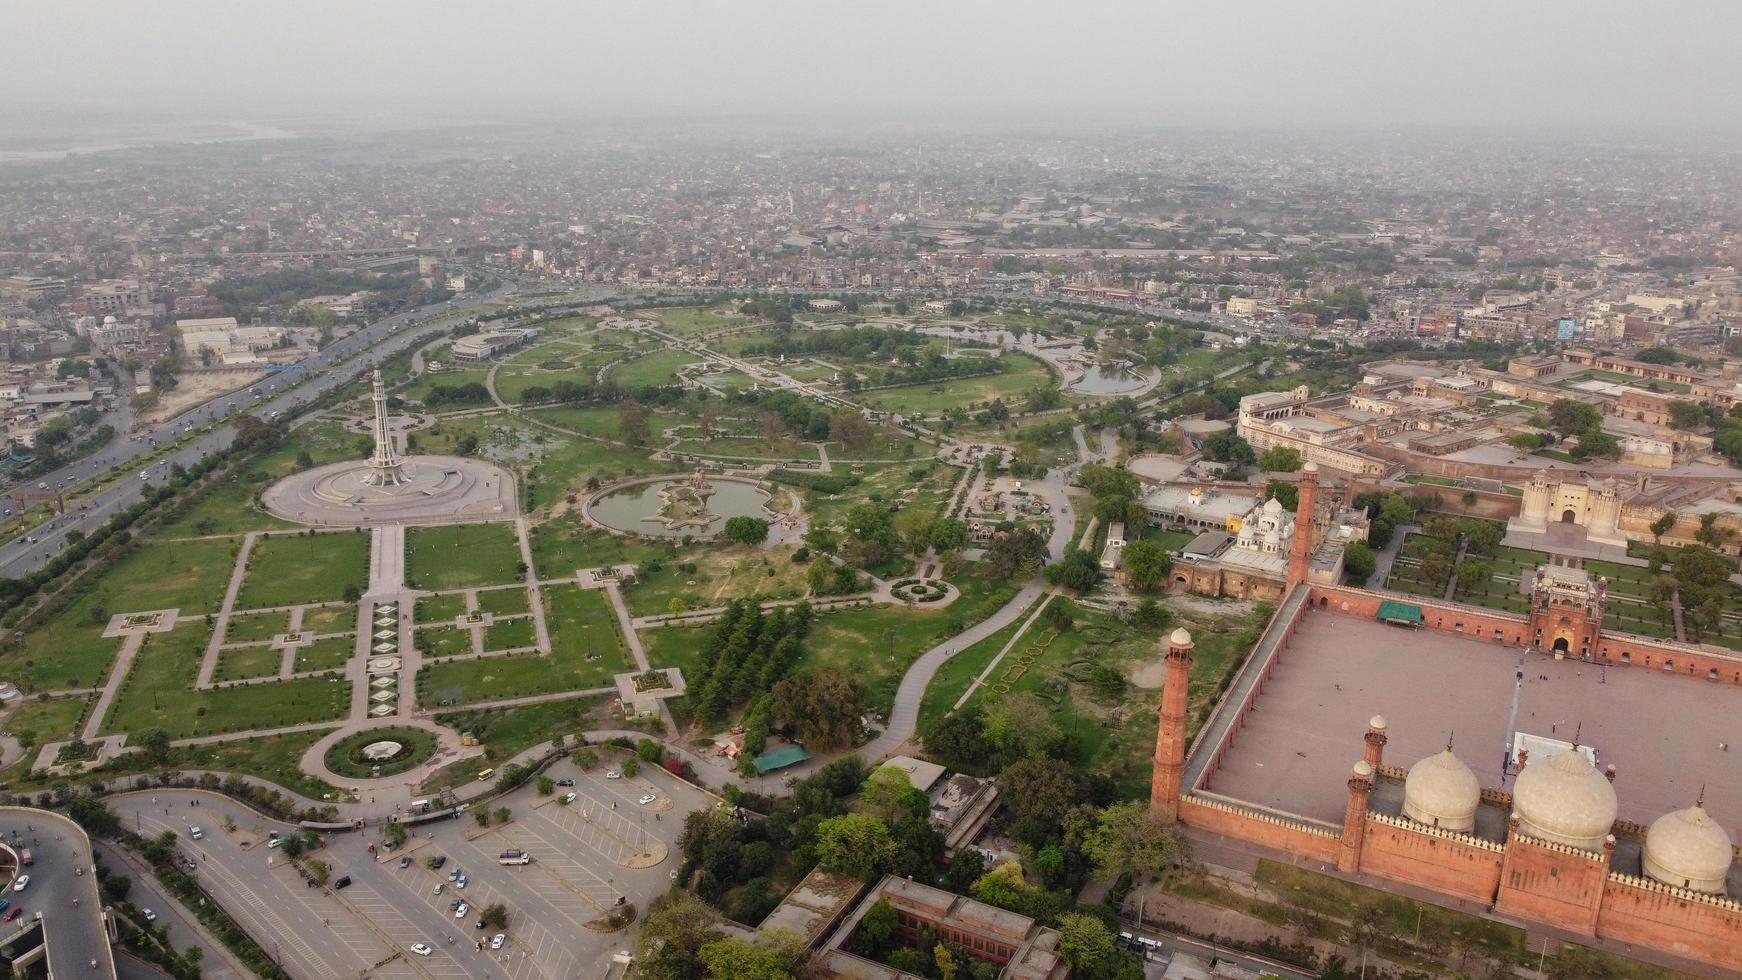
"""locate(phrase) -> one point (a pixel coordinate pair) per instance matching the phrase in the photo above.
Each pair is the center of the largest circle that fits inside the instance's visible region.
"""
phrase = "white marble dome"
(1180, 638)
(1688, 849)
(1442, 792)
(1273, 506)
(1564, 799)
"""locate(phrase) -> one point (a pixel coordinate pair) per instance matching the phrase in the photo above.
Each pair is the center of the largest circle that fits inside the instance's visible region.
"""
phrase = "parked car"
(196, 832)
(150, 916)
(22, 883)
(405, 862)
(343, 882)
(568, 797)
(440, 860)
(422, 949)
(497, 940)
(440, 887)
(613, 774)
(462, 882)
(461, 910)
(565, 782)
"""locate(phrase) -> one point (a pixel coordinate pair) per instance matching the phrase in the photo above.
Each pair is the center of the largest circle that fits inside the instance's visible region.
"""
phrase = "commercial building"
(484, 346)
(1020, 948)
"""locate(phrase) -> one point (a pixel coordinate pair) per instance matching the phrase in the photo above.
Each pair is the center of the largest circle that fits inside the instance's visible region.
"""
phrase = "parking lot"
(586, 855)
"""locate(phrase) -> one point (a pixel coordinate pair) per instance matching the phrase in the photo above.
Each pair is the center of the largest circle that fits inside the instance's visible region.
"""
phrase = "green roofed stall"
(786, 755)
(1400, 613)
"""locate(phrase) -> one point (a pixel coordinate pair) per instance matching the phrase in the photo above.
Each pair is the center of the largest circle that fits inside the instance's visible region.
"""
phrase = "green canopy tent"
(786, 755)
(1400, 613)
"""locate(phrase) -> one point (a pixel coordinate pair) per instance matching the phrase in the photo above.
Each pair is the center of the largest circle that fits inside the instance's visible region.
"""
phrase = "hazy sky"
(1512, 63)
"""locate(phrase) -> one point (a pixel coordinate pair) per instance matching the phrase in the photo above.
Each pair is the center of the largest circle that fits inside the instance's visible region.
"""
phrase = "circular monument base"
(435, 488)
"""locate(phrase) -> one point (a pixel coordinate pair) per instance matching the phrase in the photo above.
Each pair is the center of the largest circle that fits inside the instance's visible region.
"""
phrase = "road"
(75, 934)
(184, 931)
(318, 373)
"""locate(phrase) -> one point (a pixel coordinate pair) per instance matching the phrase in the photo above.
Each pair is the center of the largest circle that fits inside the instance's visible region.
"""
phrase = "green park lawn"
(328, 654)
(330, 619)
(598, 421)
(509, 634)
(159, 693)
(721, 572)
(932, 397)
(446, 641)
(41, 720)
(687, 321)
(247, 662)
(564, 544)
(286, 570)
(568, 464)
(657, 368)
(440, 608)
(256, 627)
(460, 556)
(504, 602)
(587, 650)
(419, 389)
(232, 507)
(876, 644)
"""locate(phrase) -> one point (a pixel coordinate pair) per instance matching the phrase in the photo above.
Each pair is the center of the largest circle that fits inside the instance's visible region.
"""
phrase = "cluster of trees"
(1226, 447)
(821, 708)
(747, 651)
(1728, 437)
(1016, 553)
(471, 391)
(1115, 491)
(746, 530)
(1571, 418)
(899, 356)
(282, 289)
(1702, 577)
(1437, 551)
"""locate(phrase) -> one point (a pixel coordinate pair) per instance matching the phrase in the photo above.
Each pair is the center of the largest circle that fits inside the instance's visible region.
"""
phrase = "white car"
(461, 909)
(150, 916)
(22, 883)
(647, 798)
(440, 885)
(422, 949)
(461, 881)
(568, 797)
(497, 940)
(613, 774)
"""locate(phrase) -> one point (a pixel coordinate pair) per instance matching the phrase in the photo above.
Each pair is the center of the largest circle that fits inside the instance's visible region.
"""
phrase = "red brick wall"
(1246, 827)
(1547, 884)
(1677, 925)
(1439, 863)
(1651, 656)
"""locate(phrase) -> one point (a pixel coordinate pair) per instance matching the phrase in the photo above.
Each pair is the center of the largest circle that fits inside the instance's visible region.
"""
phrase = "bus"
(514, 857)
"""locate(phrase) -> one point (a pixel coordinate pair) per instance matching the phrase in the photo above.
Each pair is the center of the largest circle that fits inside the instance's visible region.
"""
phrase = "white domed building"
(1267, 528)
(1442, 792)
(1688, 849)
(1565, 800)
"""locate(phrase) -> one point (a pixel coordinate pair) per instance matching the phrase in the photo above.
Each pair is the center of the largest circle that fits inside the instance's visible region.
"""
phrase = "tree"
(856, 844)
(545, 785)
(155, 743)
(1147, 564)
(1090, 948)
(673, 932)
(1280, 459)
(586, 759)
(1472, 575)
(1359, 562)
(823, 705)
(750, 531)
(1020, 724)
(1015, 551)
(1569, 417)
(878, 927)
(1079, 571)
(1597, 445)
(1687, 415)
(1662, 525)
(772, 957)
(632, 423)
(1040, 787)
(494, 916)
(1130, 838)
(395, 833)
(631, 766)
(320, 871)
(1227, 448)
(502, 814)
(890, 795)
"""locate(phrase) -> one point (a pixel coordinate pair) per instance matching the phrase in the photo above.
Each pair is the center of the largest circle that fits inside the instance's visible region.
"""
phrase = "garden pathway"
(626, 625)
(209, 664)
(117, 675)
(975, 686)
(540, 631)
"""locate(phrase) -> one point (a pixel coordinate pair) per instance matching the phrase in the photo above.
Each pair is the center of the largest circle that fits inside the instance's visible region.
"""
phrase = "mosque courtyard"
(1665, 733)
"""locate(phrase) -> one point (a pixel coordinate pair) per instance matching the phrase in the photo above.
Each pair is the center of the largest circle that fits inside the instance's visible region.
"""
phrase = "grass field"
(1021, 374)
(46, 719)
(460, 556)
(330, 619)
(445, 641)
(687, 321)
(248, 662)
(509, 634)
(259, 626)
(566, 543)
(286, 570)
(417, 390)
(440, 608)
(720, 572)
(231, 508)
(504, 602)
(158, 693)
(599, 421)
(657, 368)
(328, 654)
(586, 650)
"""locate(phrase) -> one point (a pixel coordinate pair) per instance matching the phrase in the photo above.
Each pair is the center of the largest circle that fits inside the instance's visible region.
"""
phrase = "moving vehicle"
(647, 798)
(15, 913)
(150, 916)
(486, 774)
(422, 949)
(613, 774)
(25, 858)
(22, 883)
(514, 856)
(196, 832)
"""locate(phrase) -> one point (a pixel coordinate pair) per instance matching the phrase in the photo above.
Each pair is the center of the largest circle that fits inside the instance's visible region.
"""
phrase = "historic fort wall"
(1548, 882)
(1443, 860)
(1296, 835)
(1649, 913)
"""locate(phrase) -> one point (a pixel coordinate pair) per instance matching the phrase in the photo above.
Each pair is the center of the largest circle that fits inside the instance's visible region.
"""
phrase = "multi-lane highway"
(282, 392)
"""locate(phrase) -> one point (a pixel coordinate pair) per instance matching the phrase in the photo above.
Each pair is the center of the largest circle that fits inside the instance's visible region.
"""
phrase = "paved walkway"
(626, 624)
(1000, 658)
(209, 664)
(117, 674)
(540, 631)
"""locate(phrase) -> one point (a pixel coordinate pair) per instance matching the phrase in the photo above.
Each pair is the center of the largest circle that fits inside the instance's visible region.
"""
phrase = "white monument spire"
(385, 469)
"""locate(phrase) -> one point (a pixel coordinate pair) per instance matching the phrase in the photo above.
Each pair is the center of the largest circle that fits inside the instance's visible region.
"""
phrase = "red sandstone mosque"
(1578, 794)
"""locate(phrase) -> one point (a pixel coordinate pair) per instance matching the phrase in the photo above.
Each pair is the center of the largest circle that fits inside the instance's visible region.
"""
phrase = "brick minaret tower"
(1375, 739)
(1355, 818)
(1300, 550)
(1170, 735)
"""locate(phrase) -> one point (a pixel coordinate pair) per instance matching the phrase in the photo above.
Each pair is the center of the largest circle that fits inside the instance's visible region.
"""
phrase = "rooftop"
(1662, 732)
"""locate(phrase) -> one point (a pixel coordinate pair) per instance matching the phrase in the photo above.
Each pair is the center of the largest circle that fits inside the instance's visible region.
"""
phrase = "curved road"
(76, 935)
